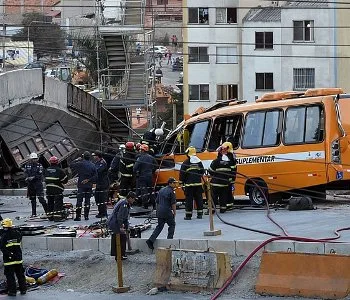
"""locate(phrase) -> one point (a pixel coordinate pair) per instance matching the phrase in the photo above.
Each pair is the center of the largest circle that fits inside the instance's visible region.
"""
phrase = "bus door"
(304, 158)
(226, 129)
(196, 135)
(342, 107)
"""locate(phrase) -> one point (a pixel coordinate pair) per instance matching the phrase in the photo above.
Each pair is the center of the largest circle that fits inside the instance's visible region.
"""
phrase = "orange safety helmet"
(53, 160)
(144, 147)
(129, 146)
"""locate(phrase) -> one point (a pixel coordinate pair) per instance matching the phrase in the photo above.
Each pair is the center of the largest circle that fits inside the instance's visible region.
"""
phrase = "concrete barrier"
(235, 248)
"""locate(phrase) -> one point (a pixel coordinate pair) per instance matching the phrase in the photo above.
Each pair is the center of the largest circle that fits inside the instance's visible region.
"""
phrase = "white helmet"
(33, 155)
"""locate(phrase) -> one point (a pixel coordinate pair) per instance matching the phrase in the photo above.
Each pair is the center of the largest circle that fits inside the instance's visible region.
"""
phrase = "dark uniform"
(102, 185)
(230, 200)
(113, 170)
(10, 245)
(55, 177)
(86, 172)
(144, 169)
(191, 173)
(34, 177)
(120, 218)
(165, 200)
(223, 174)
(126, 166)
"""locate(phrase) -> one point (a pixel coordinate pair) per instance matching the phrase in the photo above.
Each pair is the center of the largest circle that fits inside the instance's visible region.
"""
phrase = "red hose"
(275, 238)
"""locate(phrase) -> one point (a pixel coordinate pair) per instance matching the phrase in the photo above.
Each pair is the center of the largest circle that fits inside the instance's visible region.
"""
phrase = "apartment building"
(288, 48)
(162, 10)
(212, 38)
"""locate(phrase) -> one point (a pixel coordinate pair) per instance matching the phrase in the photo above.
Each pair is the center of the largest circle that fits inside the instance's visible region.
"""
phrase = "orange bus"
(287, 142)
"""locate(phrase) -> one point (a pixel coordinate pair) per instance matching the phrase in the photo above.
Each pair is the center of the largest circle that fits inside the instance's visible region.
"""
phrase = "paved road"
(319, 223)
(169, 77)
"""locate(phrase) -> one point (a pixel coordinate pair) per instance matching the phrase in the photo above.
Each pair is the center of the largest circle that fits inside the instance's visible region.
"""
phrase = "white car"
(158, 50)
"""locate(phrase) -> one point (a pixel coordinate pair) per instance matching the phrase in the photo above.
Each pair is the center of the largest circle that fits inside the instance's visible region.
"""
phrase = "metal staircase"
(115, 51)
(126, 84)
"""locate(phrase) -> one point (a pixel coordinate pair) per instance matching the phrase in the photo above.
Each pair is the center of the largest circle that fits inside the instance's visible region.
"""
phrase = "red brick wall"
(23, 6)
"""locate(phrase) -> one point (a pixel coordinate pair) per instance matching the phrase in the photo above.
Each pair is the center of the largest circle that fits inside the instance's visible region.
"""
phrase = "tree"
(47, 37)
(87, 48)
(168, 115)
(166, 40)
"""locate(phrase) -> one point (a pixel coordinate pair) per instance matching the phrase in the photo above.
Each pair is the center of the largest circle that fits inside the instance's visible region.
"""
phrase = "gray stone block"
(165, 243)
(104, 245)
(85, 244)
(140, 244)
(194, 244)
(244, 248)
(222, 246)
(280, 246)
(60, 243)
(312, 247)
(342, 249)
(34, 243)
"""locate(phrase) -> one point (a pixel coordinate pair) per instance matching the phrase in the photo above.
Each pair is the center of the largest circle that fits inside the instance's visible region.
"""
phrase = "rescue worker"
(166, 212)
(191, 173)
(227, 149)
(113, 170)
(126, 166)
(223, 173)
(102, 184)
(10, 245)
(118, 223)
(55, 177)
(34, 173)
(144, 169)
(87, 176)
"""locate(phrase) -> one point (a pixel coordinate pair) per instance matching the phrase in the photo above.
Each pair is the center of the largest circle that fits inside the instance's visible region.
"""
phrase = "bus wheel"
(257, 194)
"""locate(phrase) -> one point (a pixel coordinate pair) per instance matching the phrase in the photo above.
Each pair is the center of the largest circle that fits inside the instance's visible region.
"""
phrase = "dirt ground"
(91, 272)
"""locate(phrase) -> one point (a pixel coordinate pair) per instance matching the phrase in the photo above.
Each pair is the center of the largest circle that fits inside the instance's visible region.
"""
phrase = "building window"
(226, 15)
(199, 92)
(226, 55)
(264, 81)
(303, 31)
(263, 40)
(162, 2)
(198, 15)
(303, 78)
(227, 92)
(198, 54)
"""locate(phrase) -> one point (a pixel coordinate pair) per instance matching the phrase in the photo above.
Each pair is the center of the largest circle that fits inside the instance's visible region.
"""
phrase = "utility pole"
(3, 43)
(173, 101)
(97, 21)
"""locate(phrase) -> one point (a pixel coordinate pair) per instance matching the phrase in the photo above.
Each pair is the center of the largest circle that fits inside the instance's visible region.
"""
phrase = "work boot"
(199, 216)
(78, 212)
(23, 292)
(86, 213)
(187, 218)
(33, 208)
(77, 218)
(100, 216)
(150, 244)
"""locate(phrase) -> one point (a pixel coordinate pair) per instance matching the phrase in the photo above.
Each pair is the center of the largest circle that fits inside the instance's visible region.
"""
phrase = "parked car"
(158, 50)
(35, 65)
